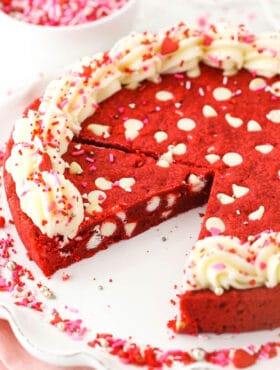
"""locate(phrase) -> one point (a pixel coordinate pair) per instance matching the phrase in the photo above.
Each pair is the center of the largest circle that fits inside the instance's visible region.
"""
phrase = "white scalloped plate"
(136, 303)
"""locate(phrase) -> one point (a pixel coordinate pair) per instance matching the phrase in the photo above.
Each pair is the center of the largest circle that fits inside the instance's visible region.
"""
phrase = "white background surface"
(19, 63)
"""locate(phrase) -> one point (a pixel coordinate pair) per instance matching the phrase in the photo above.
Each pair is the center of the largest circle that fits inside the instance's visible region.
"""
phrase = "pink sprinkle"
(100, 197)
(111, 157)
(145, 121)
(215, 231)
(92, 168)
(219, 266)
(91, 160)
(78, 153)
(179, 76)
(262, 265)
(202, 21)
(214, 60)
(121, 110)
(84, 184)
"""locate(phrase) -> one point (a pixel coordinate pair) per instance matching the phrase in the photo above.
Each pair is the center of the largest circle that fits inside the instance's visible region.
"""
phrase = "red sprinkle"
(169, 46)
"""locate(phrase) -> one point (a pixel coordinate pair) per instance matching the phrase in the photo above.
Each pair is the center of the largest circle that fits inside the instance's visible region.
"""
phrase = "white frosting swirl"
(223, 262)
(189, 53)
(225, 49)
(263, 56)
(75, 96)
(138, 59)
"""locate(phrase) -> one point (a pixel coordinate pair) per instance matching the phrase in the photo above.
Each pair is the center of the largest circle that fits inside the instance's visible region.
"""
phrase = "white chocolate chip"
(274, 116)
(165, 214)
(96, 238)
(239, 191)
(163, 163)
(215, 223)
(196, 183)
(164, 95)
(186, 124)
(222, 93)
(126, 183)
(103, 184)
(75, 168)
(257, 215)
(275, 88)
(132, 127)
(209, 111)
(233, 121)
(257, 84)
(198, 354)
(253, 126)
(171, 199)
(264, 149)
(99, 130)
(95, 198)
(129, 228)
(167, 158)
(153, 204)
(232, 159)
(108, 228)
(122, 216)
(193, 73)
(225, 199)
(212, 158)
(160, 136)
(179, 149)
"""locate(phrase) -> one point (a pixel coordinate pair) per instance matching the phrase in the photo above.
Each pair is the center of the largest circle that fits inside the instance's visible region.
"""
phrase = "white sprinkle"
(132, 105)
(253, 126)
(198, 354)
(233, 121)
(209, 111)
(232, 159)
(222, 93)
(188, 85)
(225, 80)
(186, 124)
(201, 91)
(257, 215)
(264, 149)
(164, 95)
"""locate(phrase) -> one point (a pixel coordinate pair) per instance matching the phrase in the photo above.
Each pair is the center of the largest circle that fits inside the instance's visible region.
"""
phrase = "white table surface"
(16, 69)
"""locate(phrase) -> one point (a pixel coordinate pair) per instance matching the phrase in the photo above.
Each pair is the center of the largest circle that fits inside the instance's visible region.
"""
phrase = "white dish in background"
(136, 303)
(48, 49)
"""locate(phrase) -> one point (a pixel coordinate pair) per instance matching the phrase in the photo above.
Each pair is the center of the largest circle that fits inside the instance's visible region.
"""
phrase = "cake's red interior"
(235, 310)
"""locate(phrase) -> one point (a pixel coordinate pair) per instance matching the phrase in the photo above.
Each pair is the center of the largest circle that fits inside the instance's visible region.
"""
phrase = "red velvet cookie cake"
(103, 163)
